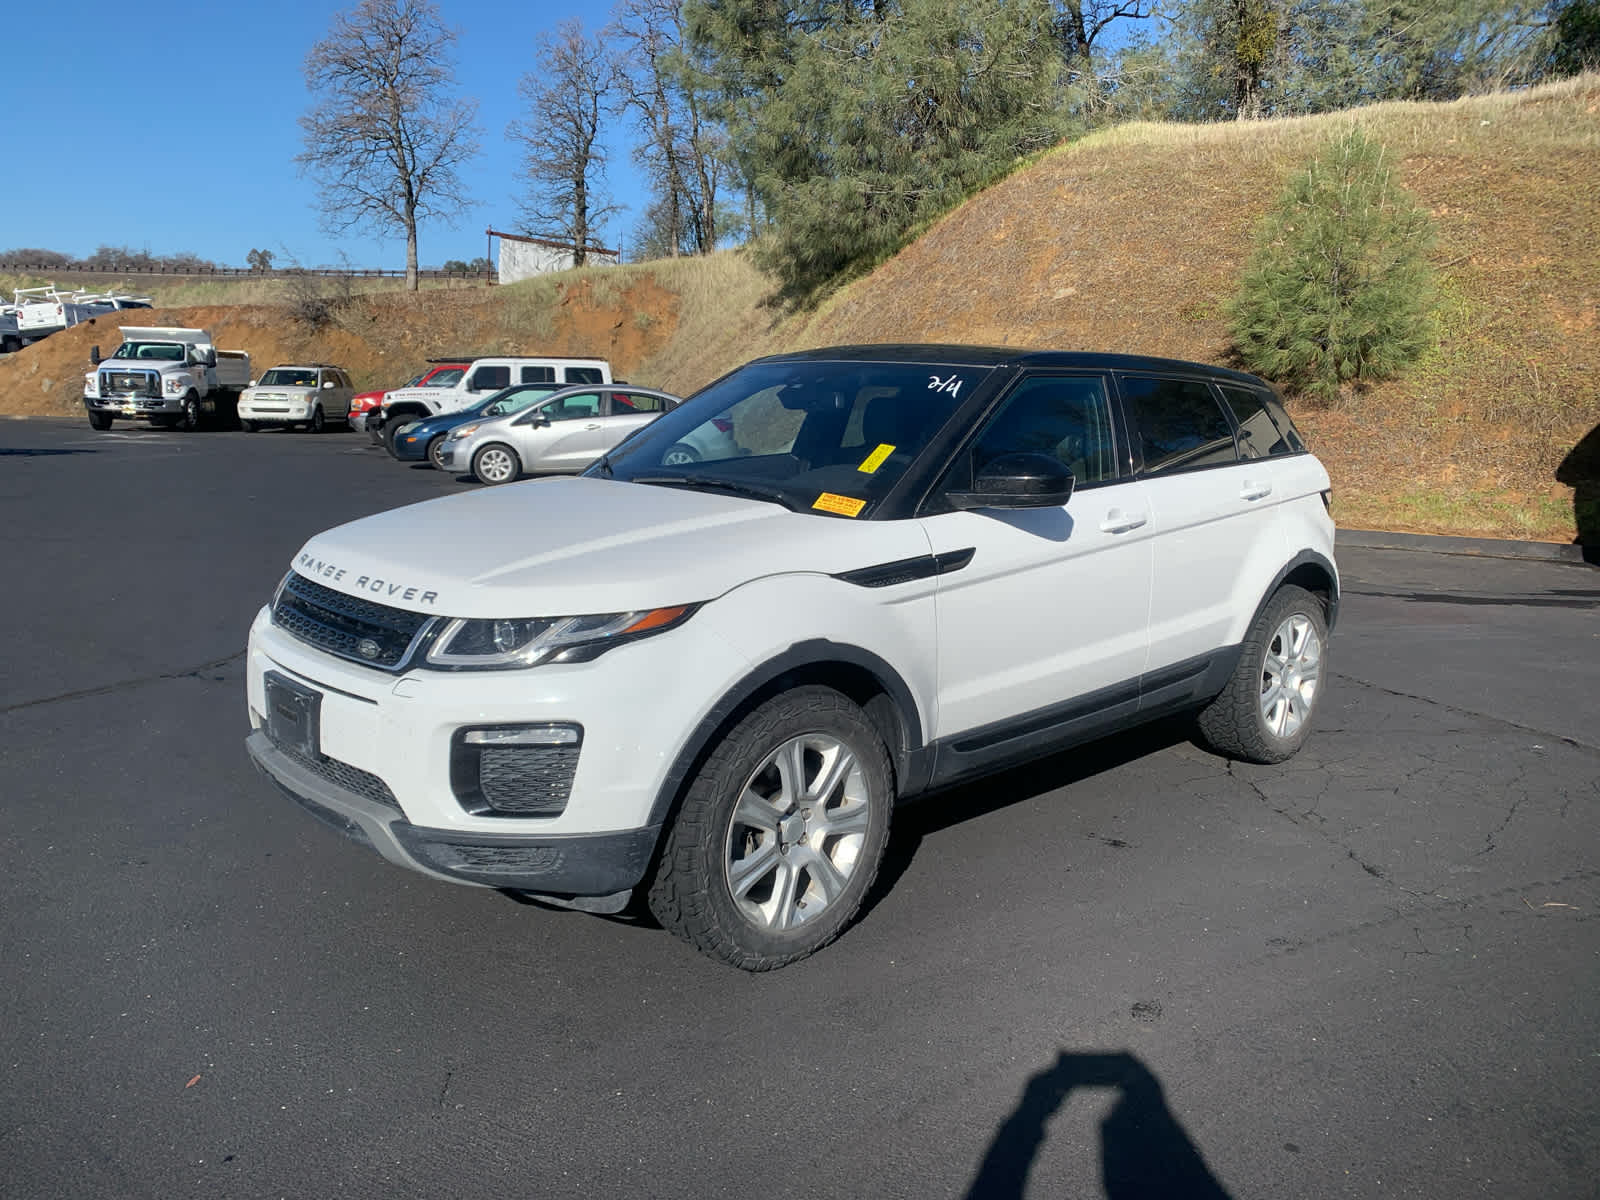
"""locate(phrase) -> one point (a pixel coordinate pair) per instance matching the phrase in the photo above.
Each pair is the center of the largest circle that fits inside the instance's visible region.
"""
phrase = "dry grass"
(1131, 240)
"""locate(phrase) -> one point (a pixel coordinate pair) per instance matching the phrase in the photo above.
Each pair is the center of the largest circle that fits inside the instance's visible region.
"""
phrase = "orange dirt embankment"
(381, 340)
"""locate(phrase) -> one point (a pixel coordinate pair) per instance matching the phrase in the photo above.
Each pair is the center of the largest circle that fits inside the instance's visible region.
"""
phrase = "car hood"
(138, 364)
(571, 546)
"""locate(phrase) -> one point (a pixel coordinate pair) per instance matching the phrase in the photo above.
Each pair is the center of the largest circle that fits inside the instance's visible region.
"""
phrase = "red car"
(443, 374)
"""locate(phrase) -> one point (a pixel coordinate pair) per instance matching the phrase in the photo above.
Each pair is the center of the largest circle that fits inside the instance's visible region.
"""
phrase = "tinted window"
(624, 403)
(448, 377)
(489, 379)
(537, 375)
(515, 400)
(1064, 417)
(584, 375)
(1264, 428)
(1177, 424)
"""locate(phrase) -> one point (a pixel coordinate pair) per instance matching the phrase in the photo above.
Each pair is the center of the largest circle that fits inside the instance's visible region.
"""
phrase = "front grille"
(527, 781)
(342, 774)
(136, 383)
(363, 631)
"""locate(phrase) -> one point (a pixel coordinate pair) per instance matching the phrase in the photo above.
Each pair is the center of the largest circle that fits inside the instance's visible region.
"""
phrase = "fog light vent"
(515, 771)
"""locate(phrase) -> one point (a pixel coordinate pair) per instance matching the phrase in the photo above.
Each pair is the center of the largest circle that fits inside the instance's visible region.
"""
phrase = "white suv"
(309, 395)
(710, 677)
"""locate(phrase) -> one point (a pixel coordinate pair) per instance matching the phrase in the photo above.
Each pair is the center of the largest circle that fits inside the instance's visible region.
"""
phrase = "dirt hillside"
(1130, 240)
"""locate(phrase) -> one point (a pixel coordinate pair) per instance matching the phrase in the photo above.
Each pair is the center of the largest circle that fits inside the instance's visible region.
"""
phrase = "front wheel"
(496, 463)
(190, 420)
(434, 447)
(99, 421)
(317, 424)
(1264, 714)
(680, 454)
(780, 833)
(248, 426)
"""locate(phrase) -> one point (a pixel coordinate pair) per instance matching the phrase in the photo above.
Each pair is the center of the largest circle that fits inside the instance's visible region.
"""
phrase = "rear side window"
(623, 403)
(489, 379)
(537, 375)
(1177, 424)
(1264, 428)
(584, 375)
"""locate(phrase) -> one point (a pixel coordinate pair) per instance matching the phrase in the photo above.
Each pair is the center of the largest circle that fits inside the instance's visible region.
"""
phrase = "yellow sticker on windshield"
(875, 459)
(845, 506)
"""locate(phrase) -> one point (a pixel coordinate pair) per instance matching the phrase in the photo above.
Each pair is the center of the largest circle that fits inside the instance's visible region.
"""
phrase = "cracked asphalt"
(1132, 970)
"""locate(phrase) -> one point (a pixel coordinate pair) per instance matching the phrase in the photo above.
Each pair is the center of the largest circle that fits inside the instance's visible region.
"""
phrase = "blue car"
(421, 440)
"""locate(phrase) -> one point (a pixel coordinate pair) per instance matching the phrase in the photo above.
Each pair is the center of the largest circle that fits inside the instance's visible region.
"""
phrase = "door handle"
(1255, 491)
(596, 425)
(1117, 521)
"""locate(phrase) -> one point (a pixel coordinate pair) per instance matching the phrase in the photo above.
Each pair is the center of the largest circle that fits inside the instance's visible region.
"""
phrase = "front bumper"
(135, 406)
(603, 864)
(453, 457)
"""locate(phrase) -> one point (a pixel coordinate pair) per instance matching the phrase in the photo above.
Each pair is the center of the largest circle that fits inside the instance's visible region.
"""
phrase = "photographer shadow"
(1144, 1151)
(1580, 471)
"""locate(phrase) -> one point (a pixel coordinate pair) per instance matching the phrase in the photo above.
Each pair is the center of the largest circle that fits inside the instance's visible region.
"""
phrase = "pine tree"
(1339, 289)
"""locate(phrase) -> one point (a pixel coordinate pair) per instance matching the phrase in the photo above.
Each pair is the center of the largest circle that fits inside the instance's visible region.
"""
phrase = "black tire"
(1264, 714)
(692, 892)
(99, 421)
(318, 422)
(487, 464)
(248, 426)
(190, 420)
(391, 433)
(434, 447)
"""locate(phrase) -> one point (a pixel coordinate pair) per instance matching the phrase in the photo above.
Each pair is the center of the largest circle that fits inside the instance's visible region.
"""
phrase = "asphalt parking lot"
(1134, 970)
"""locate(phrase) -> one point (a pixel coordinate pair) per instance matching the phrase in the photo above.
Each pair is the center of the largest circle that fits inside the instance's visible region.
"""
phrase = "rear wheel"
(99, 421)
(679, 454)
(496, 463)
(1264, 714)
(780, 833)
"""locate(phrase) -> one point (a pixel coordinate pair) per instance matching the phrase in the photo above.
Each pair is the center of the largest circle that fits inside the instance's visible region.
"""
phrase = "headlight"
(462, 431)
(472, 643)
(175, 387)
(89, 383)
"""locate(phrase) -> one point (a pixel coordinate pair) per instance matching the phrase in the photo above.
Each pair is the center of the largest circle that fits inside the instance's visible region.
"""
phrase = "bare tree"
(563, 161)
(685, 151)
(386, 138)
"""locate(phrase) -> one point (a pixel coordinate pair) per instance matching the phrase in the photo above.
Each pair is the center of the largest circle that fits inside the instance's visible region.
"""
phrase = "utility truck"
(167, 376)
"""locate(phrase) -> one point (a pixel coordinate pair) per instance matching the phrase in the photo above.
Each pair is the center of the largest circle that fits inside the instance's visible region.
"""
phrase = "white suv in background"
(309, 395)
(709, 677)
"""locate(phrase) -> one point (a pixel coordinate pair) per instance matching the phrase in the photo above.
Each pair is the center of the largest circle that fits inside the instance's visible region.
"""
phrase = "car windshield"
(824, 437)
(161, 351)
(289, 377)
(512, 399)
(446, 377)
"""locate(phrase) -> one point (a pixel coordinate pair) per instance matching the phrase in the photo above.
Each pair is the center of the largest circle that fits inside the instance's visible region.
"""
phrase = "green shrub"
(1339, 289)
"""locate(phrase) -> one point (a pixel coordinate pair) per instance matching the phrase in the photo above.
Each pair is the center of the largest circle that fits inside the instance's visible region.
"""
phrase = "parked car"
(309, 395)
(445, 373)
(712, 682)
(483, 376)
(565, 432)
(415, 441)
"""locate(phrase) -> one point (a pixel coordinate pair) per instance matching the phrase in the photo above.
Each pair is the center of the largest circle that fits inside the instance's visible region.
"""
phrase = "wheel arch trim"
(1310, 570)
(812, 655)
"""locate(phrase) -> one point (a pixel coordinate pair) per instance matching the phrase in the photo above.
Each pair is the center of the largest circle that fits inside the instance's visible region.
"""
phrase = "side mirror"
(94, 355)
(252, 383)
(1018, 481)
(327, 384)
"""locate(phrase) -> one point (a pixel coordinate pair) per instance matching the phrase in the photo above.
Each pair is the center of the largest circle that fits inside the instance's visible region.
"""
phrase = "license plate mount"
(293, 714)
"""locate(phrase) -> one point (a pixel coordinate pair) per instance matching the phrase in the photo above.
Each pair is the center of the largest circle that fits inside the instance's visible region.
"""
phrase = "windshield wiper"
(740, 487)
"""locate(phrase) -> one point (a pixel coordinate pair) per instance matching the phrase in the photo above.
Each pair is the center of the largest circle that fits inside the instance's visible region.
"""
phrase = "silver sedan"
(565, 432)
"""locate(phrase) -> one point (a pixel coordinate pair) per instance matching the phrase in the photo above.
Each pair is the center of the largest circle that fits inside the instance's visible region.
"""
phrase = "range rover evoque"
(705, 671)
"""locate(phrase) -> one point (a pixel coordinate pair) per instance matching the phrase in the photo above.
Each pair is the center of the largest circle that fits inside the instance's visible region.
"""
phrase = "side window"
(1064, 417)
(1177, 424)
(627, 403)
(584, 375)
(573, 408)
(489, 379)
(1264, 428)
(537, 375)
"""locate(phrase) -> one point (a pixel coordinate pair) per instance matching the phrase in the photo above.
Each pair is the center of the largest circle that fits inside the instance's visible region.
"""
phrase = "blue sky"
(175, 127)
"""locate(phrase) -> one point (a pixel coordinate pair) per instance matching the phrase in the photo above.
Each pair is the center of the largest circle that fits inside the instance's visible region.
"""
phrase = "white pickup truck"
(42, 311)
(167, 376)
